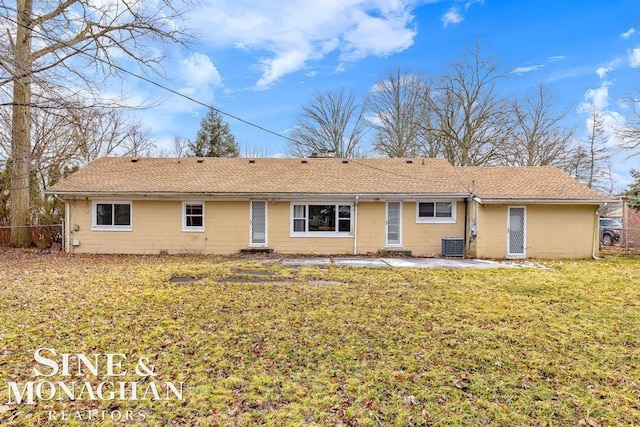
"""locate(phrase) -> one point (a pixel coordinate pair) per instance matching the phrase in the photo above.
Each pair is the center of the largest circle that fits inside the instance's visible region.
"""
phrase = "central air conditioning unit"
(453, 246)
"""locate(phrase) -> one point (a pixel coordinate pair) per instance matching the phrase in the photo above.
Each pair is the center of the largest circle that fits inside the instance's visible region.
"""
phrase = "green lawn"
(259, 344)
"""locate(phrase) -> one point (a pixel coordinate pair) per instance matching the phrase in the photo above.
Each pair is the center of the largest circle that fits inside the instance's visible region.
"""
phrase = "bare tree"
(77, 134)
(108, 132)
(331, 122)
(180, 147)
(72, 41)
(629, 135)
(53, 145)
(255, 151)
(399, 106)
(576, 164)
(473, 121)
(139, 142)
(60, 145)
(539, 137)
(596, 148)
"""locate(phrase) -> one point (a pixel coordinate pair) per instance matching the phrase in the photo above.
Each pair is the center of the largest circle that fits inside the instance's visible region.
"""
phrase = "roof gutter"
(73, 195)
(489, 201)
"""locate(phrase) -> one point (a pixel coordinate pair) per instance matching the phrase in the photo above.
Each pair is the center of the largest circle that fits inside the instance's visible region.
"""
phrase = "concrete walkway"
(405, 262)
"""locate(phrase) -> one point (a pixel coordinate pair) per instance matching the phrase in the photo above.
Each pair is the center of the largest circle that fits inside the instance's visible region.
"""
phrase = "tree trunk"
(20, 131)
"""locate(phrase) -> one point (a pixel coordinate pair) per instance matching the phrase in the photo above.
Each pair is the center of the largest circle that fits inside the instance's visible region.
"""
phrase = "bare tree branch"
(398, 106)
(474, 123)
(331, 122)
(539, 137)
(80, 42)
(629, 135)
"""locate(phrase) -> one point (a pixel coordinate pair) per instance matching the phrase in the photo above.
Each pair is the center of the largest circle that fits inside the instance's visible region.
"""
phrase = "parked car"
(610, 230)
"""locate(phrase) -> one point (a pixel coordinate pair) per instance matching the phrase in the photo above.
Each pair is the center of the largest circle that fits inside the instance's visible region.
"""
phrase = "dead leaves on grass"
(384, 347)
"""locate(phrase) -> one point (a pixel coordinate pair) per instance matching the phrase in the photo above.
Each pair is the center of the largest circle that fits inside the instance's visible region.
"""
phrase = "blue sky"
(260, 60)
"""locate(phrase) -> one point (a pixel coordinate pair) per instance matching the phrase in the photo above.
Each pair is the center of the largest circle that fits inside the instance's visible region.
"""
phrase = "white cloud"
(612, 120)
(530, 68)
(602, 72)
(199, 72)
(634, 57)
(598, 98)
(285, 63)
(611, 65)
(470, 3)
(452, 17)
(378, 37)
(527, 69)
(570, 73)
(289, 35)
(628, 33)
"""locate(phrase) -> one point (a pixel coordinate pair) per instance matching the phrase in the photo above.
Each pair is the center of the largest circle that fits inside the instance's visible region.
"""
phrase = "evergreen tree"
(214, 139)
(634, 191)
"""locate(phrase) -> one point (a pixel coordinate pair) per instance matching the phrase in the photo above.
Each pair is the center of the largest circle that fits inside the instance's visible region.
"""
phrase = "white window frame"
(94, 215)
(192, 229)
(437, 220)
(308, 233)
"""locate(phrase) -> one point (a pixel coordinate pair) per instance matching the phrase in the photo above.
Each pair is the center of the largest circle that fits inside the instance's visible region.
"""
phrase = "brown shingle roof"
(331, 176)
(526, 183)
(263, 176)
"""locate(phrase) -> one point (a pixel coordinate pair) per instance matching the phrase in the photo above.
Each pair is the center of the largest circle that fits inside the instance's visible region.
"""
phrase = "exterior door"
(394, 224)
(516, 232)
(258, 223)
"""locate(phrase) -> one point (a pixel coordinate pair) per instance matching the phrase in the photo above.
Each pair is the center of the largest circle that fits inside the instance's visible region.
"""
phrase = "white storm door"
(258, 223)
(394, 224)
(516, 232)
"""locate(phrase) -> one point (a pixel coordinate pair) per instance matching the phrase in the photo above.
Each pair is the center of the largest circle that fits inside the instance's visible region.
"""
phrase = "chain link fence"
(630, 238)
(43, 236)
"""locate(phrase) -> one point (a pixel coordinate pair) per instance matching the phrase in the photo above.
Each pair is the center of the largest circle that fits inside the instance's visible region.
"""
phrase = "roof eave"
(80, 195)
(540, 201)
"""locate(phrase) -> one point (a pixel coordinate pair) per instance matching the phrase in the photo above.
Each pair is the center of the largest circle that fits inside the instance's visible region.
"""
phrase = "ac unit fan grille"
(453, 246)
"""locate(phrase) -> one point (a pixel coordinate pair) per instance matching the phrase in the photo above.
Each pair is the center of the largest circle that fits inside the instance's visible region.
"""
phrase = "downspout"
(466, 212)
(467, 242)
(67, 221)
(355, 227)
(596, 235)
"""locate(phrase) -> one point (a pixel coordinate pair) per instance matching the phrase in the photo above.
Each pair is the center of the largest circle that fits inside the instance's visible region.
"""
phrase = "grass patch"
(388, 346)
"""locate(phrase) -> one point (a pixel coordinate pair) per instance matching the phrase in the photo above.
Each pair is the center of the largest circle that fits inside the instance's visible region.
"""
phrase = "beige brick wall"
(157, 226)
(426, 239)
(553, 231)
(560, 232)
(371, 226)
(491, 241)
